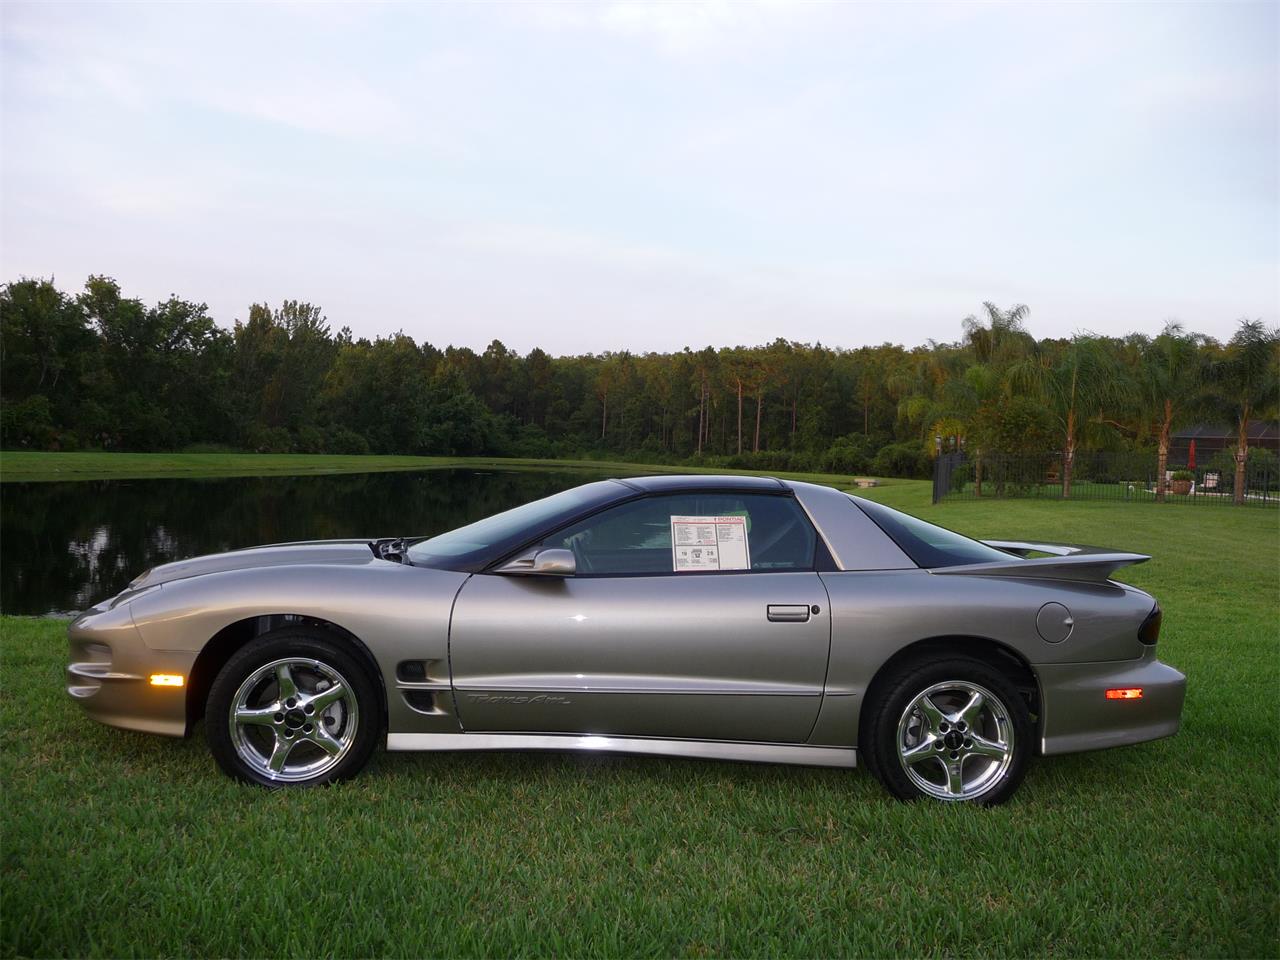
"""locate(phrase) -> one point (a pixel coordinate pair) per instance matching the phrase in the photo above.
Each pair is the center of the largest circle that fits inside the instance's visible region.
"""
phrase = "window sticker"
(709, 543)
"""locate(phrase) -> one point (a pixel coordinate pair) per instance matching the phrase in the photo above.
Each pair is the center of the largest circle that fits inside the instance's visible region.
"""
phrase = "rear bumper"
(1076, 715)
(109, 674)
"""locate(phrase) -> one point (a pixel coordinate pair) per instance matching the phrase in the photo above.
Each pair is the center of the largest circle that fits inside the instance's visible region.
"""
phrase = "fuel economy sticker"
(709, 543)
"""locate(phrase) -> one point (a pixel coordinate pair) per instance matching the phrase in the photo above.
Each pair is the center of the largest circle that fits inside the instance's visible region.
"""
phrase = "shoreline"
(22, 466)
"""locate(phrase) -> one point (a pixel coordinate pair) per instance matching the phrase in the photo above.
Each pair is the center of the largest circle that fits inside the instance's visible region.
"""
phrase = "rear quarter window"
(928, 544)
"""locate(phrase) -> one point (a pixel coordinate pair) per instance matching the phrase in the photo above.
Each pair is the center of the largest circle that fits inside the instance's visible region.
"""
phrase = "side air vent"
(411, 671)
(424, 701)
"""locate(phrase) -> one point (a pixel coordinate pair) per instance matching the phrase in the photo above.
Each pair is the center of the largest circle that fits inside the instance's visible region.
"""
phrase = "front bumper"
(1076, 715)
(110, 674)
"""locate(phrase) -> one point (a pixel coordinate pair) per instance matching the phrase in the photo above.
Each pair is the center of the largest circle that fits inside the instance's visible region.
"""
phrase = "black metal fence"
(1097, 476)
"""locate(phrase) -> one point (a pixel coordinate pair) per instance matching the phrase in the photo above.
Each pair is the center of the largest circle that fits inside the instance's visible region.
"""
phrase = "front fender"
(400, 613)
(109, 674)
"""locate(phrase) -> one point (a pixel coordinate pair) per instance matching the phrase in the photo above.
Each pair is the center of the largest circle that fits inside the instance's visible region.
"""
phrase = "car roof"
(686, 482)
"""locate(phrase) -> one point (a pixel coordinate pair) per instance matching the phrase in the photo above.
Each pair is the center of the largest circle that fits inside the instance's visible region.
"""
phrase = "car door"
(654, 636)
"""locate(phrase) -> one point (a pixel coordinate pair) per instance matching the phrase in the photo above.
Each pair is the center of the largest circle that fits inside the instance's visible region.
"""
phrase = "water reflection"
(65, 546)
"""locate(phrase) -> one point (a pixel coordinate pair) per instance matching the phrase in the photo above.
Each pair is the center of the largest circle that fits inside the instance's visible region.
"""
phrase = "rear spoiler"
(1067, 562)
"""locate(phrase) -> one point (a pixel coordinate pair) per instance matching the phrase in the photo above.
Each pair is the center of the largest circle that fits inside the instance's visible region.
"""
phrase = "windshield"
(926, 544)
(487, 539)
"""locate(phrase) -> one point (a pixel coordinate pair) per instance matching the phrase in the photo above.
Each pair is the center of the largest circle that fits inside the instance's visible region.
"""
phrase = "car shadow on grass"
(1071, 780)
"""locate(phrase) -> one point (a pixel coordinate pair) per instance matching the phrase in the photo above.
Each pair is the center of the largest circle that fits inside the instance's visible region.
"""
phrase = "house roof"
(1261, 430)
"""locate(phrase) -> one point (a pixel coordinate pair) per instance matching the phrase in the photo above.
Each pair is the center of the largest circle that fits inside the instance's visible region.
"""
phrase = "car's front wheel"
(292, 708)
(953, 729)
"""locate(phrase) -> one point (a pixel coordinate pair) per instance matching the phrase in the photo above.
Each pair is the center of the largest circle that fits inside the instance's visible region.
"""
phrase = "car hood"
(342, 552)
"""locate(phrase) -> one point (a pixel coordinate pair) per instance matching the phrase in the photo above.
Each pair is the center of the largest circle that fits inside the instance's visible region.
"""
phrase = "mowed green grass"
(40, 466)
(1137, 492)
(120, 844)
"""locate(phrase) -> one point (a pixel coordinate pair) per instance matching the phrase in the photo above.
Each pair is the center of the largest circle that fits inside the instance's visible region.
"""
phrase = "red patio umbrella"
(1191, 456)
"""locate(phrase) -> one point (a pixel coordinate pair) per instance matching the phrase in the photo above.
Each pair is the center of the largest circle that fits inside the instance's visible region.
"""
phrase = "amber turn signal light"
(175, 680)
(1125, 693)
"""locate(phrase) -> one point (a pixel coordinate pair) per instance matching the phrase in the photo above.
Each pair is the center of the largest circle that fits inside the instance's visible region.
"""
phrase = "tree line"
(99, 370)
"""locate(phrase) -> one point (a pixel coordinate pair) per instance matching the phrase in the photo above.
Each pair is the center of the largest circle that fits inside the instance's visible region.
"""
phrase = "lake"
(65, 546)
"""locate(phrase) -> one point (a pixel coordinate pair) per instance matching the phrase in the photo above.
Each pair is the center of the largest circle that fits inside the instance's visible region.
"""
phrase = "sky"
(648, 176)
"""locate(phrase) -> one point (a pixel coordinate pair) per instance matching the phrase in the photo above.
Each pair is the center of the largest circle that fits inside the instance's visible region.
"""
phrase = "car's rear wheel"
(953, 730)
(292, 708)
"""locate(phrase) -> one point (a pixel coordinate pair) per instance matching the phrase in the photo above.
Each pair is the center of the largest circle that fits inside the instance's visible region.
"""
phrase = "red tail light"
(1149, 632)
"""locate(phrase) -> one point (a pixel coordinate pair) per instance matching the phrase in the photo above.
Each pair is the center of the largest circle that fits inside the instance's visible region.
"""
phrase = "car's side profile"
(721, 617)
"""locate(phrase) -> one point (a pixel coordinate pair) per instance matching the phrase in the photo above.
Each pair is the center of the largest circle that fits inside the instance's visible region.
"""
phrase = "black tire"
(363, 712)
(880, 737)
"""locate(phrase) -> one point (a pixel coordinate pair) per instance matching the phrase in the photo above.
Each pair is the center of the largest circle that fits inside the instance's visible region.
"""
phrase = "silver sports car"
(737, 618)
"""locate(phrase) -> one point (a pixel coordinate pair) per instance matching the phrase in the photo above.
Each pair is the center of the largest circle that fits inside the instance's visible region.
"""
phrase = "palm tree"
(1003, 340)
(1245, 384)
(981, 390)
(997, 347)
(1075, 383)
(1170, 378)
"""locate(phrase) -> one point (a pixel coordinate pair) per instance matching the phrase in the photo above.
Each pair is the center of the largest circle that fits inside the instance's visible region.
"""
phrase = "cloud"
(685, 30)
(591, 175)
(680, 29)
(240, 60)
(343, 107)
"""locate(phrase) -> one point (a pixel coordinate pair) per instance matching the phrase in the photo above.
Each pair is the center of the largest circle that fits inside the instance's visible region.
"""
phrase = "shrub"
(902, 460)
(527, 440)
(310, 440)
(1016, 425)
(346, 440)
(780, 460)
(27, 423)
(1261, 467)
(1258, 458)
(850, 454)
(264, 439)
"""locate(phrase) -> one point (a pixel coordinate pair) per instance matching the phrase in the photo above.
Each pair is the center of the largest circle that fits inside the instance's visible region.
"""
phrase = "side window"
(764, 532)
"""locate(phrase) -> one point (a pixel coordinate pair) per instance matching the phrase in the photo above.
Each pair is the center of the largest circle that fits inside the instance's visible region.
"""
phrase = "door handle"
(788, 612)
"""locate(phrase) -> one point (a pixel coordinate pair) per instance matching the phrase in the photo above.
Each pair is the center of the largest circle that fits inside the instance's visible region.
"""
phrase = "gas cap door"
(1054, 623)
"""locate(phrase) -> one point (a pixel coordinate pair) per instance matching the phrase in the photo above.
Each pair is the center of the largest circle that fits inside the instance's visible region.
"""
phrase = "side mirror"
(545, 563)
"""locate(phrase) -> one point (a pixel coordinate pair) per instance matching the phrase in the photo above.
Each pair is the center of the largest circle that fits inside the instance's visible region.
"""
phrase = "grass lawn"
(37, 466)
(120, 844)
(16, 465)
(1136, 491)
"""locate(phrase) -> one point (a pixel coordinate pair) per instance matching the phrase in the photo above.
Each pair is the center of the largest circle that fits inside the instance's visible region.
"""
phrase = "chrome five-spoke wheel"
(295, 707)
(294, 719)
(949, 726)
(955, 740)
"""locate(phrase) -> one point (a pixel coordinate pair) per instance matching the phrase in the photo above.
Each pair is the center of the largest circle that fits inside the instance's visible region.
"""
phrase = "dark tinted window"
(485, 539)
(928, 544)
(635, 537)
